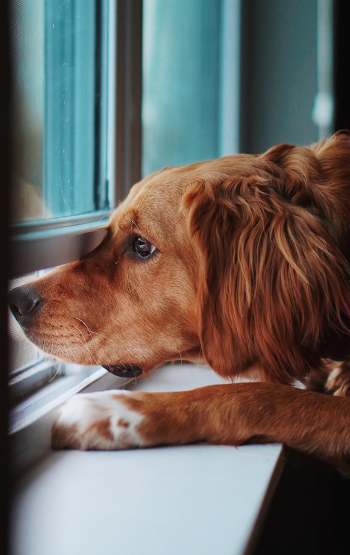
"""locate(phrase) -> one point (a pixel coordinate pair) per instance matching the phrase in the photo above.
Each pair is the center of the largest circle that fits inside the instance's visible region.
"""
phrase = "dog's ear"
(268, 276)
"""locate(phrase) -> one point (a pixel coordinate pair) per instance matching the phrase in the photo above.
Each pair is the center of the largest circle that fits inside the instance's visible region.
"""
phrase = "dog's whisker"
(81, 333)
(127, 382)
(89, 329)
(137, 227)
(84, 343)
(59, 366)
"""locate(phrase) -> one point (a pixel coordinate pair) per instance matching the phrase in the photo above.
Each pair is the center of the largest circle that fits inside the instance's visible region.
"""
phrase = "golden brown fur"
(273, 241)
(249, 274)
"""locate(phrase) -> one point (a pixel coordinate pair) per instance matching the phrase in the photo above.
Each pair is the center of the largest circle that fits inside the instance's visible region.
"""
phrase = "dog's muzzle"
(124, 370)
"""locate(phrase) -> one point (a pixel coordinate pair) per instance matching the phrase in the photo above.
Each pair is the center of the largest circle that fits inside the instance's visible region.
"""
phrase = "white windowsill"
(192, 499)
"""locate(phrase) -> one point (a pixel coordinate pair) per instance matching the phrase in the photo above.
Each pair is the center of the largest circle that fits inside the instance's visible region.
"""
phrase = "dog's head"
(130, 304)
(237, 260)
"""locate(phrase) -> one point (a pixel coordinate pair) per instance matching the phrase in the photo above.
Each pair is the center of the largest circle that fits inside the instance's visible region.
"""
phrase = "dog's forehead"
(153, 204)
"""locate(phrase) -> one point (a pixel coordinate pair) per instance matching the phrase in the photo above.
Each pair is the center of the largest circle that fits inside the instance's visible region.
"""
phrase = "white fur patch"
(97, 421)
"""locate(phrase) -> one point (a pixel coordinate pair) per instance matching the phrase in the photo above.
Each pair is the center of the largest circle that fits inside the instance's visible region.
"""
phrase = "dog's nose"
(24, 301)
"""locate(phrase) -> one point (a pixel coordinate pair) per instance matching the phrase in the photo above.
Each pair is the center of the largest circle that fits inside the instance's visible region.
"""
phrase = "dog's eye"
(142, 247)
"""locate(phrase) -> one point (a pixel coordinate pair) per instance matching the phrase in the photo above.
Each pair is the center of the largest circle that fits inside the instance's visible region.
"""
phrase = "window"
(181, 82)
(60, 59)
(63, 174)
(63, 82)
(190, 108)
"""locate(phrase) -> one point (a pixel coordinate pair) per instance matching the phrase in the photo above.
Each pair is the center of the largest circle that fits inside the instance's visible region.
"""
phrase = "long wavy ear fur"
(271, 268)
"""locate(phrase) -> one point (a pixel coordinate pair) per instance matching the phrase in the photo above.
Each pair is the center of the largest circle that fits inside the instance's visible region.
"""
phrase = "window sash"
(43, 244)
(48, 243)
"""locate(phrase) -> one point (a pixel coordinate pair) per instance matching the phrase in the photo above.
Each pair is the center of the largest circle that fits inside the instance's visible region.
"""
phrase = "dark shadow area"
(309, 512)
(5, 152)
(341, 64)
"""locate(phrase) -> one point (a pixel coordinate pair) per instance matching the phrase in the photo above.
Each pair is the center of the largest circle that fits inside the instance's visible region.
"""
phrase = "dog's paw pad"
(96, 421)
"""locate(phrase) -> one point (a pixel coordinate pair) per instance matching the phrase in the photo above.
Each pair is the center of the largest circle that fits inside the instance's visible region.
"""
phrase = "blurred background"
(214, 77)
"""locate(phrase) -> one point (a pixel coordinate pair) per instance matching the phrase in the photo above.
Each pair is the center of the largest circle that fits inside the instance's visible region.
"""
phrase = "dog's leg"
(230, 414)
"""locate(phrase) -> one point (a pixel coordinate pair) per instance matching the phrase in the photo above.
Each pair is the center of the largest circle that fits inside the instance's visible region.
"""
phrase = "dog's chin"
(124, 370)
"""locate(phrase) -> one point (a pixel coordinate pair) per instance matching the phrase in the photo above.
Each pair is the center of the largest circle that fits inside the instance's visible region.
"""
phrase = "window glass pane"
(60, 106)
(181, 81)
(28, 98)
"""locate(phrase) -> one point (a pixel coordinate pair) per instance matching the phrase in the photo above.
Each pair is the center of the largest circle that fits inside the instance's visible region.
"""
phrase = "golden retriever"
(242, 262)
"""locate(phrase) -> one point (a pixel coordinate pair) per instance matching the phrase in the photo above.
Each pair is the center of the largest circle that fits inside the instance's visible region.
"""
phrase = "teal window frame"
(42, 244)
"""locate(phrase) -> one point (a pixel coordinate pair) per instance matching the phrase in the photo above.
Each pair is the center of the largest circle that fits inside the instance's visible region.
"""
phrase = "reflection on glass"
(59, 92)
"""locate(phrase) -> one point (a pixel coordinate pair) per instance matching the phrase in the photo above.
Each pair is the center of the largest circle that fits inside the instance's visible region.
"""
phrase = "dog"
(241, 262)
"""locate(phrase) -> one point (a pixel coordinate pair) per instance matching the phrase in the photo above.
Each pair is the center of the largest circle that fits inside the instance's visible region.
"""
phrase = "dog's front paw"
(97, 421)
